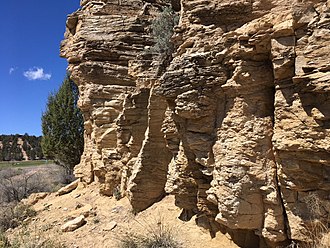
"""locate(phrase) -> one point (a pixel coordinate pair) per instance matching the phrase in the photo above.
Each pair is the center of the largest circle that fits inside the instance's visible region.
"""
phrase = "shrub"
(12, 215)
(116, 193)
(156, 236)
(29, 239)
(16, 185)
(162, 30)
(4, 242)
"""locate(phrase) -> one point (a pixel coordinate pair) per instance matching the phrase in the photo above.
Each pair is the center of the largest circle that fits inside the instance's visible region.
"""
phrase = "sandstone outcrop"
(237, 124)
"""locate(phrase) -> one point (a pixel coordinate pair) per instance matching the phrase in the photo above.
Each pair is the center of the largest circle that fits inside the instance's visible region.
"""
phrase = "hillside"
(108, 221)
(20, 147)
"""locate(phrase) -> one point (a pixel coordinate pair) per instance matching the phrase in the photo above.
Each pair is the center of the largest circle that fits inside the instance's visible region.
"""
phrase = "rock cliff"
(235, 123)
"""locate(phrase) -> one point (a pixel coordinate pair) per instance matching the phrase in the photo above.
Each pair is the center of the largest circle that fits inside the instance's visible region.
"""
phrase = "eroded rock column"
(124, 146)
(301, 134)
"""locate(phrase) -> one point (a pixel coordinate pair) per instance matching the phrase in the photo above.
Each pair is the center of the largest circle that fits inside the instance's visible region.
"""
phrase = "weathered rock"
(73, 224)
(123, 117)
(82, 211)
(238, 103)
(68, 188)
(110, 226)
(236, 127)
(34, 198)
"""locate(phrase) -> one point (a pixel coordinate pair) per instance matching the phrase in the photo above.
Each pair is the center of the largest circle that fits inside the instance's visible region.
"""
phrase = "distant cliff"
(20, 147)
(236, 124)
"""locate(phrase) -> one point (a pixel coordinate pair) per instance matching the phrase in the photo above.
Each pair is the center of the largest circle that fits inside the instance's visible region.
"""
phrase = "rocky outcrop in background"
(237, 124)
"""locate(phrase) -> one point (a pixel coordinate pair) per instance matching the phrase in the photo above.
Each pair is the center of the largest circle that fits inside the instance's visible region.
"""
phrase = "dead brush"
(13, 215)
(318, 234)
(317, 230)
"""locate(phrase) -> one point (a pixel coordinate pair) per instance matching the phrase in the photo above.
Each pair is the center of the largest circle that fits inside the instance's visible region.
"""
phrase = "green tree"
(62, 127)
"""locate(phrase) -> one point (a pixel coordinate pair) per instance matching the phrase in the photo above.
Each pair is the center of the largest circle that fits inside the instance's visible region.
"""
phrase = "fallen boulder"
(34, 198)
(73, 224)
(68, 188)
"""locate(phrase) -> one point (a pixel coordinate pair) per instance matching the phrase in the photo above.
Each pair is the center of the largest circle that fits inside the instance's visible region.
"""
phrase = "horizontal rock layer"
(236, 126)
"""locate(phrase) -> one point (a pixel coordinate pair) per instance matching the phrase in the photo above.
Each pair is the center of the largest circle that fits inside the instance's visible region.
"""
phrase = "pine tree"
(62, 127)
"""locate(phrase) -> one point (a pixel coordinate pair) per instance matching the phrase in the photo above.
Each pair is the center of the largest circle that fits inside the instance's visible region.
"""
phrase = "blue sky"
(30, 66)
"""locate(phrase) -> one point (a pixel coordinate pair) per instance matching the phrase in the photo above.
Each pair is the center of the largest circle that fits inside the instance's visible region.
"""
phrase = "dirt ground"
(108, 220)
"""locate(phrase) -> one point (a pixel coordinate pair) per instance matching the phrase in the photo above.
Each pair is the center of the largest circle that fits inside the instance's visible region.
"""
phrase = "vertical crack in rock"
(280, 196)
(133, 123)
(301, 120)
(244, 178)
(283, 61)
(147, 183)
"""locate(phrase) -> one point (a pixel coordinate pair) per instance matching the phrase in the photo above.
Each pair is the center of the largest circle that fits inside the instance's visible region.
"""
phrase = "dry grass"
(157, 235)
(318, 235)
(4, 242)
(28, 238)
(317, 231)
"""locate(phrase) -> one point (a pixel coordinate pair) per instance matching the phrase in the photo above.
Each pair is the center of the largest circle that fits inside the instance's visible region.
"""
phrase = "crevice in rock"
(280, 195)
(149, 172)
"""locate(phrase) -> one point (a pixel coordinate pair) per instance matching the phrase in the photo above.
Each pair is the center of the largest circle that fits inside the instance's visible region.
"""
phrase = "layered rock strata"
(236, 127)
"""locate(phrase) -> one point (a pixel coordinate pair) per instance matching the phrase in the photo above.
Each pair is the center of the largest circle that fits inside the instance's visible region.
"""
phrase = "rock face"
(237, 124)
(123, 117)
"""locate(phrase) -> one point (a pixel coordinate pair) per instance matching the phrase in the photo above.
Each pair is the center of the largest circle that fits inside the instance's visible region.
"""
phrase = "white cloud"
(11, 70)
(37, 74)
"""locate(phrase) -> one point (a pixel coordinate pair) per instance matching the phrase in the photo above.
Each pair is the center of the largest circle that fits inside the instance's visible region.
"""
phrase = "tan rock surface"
(73, 224)
(34, 198)
(236, 126)
(68, 188)
(122, 127)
